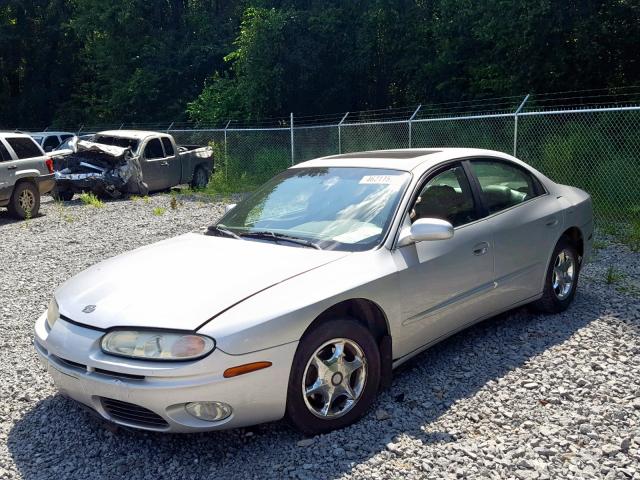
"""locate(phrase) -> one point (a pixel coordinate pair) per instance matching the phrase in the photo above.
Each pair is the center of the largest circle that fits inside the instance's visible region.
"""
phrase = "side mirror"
(229, 207)
(425, 229)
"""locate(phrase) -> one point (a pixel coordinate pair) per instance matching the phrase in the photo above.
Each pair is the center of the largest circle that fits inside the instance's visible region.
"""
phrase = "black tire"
(298, 413)
(64, 195)
(25, 201)
(200, 178)
(551, 301)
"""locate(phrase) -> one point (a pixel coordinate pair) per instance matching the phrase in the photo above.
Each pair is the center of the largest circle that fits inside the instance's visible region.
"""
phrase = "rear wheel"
(25, 201)
(561, 279)
(200, 178)
(334, 378)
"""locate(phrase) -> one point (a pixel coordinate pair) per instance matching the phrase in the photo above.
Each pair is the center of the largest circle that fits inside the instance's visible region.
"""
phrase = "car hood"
(182, 282)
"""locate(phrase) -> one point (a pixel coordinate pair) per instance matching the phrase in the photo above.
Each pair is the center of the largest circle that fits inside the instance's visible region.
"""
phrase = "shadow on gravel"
(6, 219)
(57, 439)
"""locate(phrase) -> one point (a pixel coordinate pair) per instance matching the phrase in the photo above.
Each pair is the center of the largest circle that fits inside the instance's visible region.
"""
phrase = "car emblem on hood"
(89, 308)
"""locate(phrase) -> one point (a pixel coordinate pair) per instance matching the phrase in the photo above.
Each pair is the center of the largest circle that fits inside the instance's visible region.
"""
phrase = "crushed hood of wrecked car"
(181, 282)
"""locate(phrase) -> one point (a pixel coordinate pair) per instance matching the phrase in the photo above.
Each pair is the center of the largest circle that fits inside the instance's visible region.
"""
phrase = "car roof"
(408, 159)
(44, 134)
(14, 135)
(137, 134)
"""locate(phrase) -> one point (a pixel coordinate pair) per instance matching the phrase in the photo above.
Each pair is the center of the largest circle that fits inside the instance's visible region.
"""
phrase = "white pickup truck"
(116, 162)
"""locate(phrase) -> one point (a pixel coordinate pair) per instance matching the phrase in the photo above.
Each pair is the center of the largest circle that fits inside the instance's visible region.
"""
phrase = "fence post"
(340, 132)
(515, 125)
(169, 127)
(292, 144)
(226, 151)
(80, 129)
(411, 122)
(121, 125)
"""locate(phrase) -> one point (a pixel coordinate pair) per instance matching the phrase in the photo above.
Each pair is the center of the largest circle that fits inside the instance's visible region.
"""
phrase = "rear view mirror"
(229, 207)
(426, 229)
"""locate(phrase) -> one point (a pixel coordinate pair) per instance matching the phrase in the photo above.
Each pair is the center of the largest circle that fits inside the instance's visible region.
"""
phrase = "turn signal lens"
(247, 368)
(150, 345)
(209, 411)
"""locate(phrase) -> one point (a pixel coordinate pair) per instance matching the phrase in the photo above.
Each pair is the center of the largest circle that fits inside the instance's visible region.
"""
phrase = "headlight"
(158, 345)
(52, 312)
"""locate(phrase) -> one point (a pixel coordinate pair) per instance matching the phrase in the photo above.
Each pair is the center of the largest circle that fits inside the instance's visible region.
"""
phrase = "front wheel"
(200, 178)
(561, 279)
(334, 378)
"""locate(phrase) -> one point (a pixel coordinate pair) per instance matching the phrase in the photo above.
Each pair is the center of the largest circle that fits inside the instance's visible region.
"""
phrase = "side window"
(503, 185)
(24, 147)
(66, 136)
(168, 147)
(153, 149)
(4, 153)
(446, 196)
(50, 143)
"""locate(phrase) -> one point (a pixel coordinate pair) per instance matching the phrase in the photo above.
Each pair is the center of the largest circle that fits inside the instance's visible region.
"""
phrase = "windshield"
(123, 142)
(337, 208)
(66, 145)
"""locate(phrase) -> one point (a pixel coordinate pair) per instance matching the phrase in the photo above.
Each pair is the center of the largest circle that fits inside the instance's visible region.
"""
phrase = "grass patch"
(612, 276)
(632, 238)
(158, 211)
(88, 198)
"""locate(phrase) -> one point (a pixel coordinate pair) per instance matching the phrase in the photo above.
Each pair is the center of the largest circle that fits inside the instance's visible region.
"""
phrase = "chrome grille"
(133, 414)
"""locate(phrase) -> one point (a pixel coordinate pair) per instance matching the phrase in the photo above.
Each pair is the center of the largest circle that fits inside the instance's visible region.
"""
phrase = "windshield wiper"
(276, 237)
(218, 229)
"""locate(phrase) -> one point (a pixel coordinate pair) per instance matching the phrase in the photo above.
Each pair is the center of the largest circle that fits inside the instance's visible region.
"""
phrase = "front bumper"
(152, 395)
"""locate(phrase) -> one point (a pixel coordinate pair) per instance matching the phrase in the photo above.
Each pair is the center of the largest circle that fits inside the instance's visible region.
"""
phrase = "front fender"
(282, 313)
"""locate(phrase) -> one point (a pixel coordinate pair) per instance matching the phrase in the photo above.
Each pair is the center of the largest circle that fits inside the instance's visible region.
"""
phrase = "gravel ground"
(518, 396)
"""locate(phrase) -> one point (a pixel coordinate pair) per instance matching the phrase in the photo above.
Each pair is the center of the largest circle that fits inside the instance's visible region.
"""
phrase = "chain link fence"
(596, 149)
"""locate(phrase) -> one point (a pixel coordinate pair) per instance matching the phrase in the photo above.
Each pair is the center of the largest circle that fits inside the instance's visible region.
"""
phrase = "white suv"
(49, 141)
(26, 173)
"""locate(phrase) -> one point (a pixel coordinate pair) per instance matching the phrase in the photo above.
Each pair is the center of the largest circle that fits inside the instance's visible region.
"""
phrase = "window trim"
(541, 190)
(16, 157)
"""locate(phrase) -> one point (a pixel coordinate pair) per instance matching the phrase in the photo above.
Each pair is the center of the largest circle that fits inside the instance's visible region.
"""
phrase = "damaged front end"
(105, 170)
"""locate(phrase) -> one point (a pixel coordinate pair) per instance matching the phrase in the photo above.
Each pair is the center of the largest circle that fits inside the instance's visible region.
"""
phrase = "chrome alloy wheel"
(334, 378)
(26, 200)
(564, 274)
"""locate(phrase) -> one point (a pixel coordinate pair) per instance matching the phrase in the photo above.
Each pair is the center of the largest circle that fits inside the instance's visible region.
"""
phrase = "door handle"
(164, 163)
(480, 248)
(12, 167)
(551, 222)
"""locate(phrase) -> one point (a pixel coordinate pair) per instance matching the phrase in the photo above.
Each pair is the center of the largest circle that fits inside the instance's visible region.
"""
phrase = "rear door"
(173, 163)
(7, 169)
(445, 285)
(525, 221)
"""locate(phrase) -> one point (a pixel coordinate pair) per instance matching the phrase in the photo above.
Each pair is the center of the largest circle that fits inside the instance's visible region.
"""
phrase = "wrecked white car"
(119, 162)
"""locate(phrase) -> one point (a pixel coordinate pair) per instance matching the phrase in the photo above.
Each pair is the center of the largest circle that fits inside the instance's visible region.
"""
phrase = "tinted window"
(446, 196)
(153, 149)
(168, 148)
(503, 185)
(4, 153)
(65, 136)
(51, 142)
(24, 147)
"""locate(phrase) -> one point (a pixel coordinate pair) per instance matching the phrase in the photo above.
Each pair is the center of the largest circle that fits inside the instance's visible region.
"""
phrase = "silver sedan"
(301, 300)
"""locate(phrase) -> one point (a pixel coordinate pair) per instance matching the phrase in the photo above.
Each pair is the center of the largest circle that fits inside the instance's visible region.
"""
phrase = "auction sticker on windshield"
(381, 179)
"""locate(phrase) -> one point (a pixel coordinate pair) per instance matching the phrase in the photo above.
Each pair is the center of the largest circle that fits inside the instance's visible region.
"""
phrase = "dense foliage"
(102, 61)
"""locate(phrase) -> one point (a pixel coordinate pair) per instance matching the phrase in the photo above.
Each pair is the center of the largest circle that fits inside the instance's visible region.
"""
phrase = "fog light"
(209, 411)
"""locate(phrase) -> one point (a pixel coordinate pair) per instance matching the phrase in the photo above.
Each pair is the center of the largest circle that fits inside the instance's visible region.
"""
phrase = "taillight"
(49, 163)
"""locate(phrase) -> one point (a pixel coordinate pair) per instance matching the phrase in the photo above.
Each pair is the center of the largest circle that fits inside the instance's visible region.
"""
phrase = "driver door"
(445, 285)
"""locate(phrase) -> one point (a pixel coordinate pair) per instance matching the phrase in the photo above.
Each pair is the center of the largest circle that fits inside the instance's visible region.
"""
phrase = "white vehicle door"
(526, 222)
(7, 169)
(445, 285)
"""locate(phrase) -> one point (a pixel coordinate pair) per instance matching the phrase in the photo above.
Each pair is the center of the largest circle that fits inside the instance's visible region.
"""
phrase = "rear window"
(4, 153)
(168, 148)
(24, 147)
(51, 142)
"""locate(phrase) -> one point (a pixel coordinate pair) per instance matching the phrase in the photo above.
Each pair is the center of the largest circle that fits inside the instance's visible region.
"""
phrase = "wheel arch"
(574, 234)
(373, 317)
